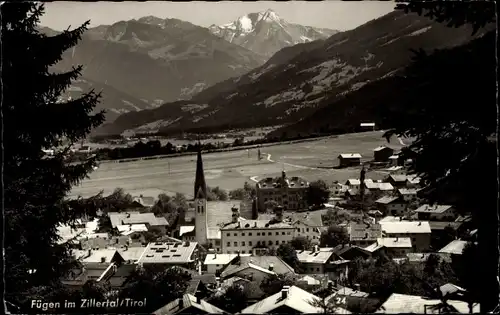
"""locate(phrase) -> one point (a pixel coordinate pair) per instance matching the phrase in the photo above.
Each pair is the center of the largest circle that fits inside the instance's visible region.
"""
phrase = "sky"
(339, 15)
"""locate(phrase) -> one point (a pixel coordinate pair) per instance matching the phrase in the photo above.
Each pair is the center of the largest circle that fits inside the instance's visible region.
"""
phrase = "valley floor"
(311, 160)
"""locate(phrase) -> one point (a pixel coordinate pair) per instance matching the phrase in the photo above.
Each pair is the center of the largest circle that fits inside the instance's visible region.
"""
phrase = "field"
(229, 170)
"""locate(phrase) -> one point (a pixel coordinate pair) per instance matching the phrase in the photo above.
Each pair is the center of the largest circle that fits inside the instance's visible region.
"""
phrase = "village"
(285, 253)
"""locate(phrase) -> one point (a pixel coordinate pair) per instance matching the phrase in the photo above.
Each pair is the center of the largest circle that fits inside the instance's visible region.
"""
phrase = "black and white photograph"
(239, 157)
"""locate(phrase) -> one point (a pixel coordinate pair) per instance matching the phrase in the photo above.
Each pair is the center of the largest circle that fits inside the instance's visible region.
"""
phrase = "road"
(230, 170)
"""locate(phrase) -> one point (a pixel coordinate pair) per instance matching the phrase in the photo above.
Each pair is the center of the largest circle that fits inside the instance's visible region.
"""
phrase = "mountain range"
(266, 33)
(299, 80)
(155, 60)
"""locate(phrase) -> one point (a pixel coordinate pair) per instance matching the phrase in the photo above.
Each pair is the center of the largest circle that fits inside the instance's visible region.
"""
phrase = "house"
(145, 201)
(363, 234)
(170, 254)
(135, 217)
(349, 252)
(398, 181)
(418, 231)
(291, 300)
(314, 261)
(382, 153)
(396, 247)
(311, 282)
(256, 268)
(349, 159)
(378, 188)
(337, 190)
(411, 304)
(394, 161)
(215, 262)
(290, 192)
(436, 212)
(413, 181)
(308, 225)
(391, 205)
(356, 183)
(408, 194)
(189, 304)
(454, 248)
(395, 170)
(376, 214)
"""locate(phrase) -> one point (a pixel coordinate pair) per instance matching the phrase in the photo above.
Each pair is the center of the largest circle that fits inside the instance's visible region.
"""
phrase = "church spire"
(199, 182)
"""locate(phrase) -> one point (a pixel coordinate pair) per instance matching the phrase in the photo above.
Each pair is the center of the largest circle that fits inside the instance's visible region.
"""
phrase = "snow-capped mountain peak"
(266, 32)
(269, 15)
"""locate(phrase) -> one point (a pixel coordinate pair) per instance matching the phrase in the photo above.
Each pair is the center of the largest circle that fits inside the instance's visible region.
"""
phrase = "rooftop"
(188, 301)
(433, 209)
(357, 182)
(221, 259)
(128, 229)
(104, 256)
(186, 229)
(345, 291)
(350, 156)
(379, 186)
(398, 178)
(454, 247)
(401, 303)
(312, 219)
(364, 232)
(131, 253)
(296, 299)
(168, 253)
(278, 265)
(408, 191)
(395, 242)
(406, 227)
(387, 199)
(277, 182)
(311, 257)
(256, 224)
(128, 218)
(412, 179)
(390, 218)
(382, 147)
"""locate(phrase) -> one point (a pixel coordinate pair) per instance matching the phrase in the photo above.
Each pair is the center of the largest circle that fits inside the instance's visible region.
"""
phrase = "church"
(203, 221)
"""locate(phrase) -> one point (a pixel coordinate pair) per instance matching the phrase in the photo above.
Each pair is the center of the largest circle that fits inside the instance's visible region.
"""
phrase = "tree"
(319, 193)
(233, 299)
(434, 88)
(334, 236)
(329, 305)
(301, 243)
(274, 283)
(270, 205)
(35, 118)
(289, 255)
(158, 285)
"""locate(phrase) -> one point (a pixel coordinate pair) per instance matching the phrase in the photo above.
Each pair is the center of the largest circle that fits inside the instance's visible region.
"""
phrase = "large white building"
(248, 236)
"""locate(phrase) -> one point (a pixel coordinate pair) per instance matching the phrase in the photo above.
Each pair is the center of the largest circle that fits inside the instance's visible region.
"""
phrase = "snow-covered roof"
(350, 155)
(406, 227)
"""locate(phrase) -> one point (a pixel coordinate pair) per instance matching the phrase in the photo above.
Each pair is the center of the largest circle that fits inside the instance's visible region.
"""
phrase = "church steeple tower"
(200, 200)
(200, 186)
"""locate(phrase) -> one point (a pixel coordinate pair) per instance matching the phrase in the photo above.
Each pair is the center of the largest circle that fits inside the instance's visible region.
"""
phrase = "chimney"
(128, 215)
(271, 266)
(419, 223)
(255, 224)
(125, 249)
(181, 303)
(103, 259)
(316, 248)
(198, 300)
(357, 287)
(284, 292)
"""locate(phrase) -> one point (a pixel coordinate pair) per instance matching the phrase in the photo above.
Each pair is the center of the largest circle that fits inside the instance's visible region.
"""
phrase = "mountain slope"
(266, 33)
(158, 59)
(298, 81)
(113, 101)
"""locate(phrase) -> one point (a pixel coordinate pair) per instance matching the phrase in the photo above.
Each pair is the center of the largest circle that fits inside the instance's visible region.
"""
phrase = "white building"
(418, 231)
(245, 236)
(436, 212)
(215, 262)
(395, 246)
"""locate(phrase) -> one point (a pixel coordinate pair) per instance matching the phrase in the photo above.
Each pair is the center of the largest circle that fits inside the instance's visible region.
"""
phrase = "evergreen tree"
(34, 118)
(450, 111)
